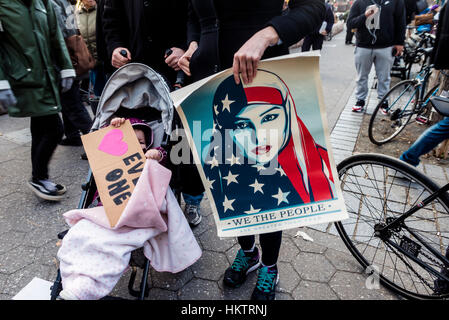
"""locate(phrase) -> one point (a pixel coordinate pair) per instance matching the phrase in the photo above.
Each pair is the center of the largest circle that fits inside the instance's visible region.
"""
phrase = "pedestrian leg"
(383, 62)
(74, 113)
(46, 132)
(307, 44)
(428, 141)
(363, 63)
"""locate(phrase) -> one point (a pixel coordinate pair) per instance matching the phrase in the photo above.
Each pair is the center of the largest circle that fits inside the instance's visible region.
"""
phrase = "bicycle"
(403, 100)
(398, 224)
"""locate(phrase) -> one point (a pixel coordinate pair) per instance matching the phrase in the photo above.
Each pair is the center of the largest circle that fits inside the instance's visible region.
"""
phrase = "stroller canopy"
(134, 86)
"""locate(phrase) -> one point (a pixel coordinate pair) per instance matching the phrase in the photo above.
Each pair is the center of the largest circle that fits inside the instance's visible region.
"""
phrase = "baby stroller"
(133, 91)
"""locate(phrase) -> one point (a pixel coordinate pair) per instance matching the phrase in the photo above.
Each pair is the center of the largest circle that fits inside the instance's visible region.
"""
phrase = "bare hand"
(184, 61)
(118, 60)
(371, 10)
(399, 50)
(172, 60)
(247, 58)
(153, 154)
(324, 33)
(117, 122)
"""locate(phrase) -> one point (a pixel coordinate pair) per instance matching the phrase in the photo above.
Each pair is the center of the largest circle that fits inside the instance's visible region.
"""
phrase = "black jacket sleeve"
(114, 27)
(303, 17)
(400, 25)
(356, 18)
(176, 32)
(193, 25)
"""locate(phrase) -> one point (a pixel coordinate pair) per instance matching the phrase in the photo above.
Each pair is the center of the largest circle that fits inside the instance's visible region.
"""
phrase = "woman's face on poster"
(259, 131)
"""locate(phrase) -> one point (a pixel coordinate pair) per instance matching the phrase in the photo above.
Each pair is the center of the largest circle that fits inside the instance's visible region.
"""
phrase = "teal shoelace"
(240, 262)
(265, 279)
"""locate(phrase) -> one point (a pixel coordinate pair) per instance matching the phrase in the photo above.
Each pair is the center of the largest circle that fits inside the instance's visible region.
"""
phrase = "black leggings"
(270, 244)
(46, 133)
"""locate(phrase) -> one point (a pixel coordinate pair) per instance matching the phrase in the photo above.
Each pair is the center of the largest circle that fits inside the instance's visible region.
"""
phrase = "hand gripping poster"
(262, 149)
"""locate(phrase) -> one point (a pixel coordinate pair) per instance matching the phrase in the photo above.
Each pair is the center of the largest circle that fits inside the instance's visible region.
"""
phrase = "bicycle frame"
(399, 222)
(420, 83)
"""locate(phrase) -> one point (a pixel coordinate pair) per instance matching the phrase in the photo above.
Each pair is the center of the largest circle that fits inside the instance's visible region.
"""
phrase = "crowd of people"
(51, 50)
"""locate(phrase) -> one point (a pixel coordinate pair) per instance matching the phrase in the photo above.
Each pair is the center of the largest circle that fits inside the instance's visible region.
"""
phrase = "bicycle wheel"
(374, 194)
(401, 99)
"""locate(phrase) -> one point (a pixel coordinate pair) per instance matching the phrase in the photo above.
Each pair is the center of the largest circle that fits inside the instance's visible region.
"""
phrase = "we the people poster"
(262, 149)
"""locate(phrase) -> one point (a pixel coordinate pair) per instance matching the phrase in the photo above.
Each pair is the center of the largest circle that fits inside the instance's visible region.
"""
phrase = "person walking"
(74, 115)
(315, 39)
(34, 67)
(86, 14)
(224, 34)
(380, 36)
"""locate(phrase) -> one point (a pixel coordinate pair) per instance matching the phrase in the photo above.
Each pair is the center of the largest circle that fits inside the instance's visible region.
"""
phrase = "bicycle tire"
(379, 126)
(393, 273)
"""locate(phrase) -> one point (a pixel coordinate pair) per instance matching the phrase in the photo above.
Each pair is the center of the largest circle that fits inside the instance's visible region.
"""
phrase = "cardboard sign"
(117, 160)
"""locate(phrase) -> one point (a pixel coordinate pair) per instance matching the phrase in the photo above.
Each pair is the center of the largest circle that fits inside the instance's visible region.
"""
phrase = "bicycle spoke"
(376, 194)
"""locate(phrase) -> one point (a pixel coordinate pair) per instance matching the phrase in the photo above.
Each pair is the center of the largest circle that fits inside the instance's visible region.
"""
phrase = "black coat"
(147, 32)
(440, 54)
(221, 27)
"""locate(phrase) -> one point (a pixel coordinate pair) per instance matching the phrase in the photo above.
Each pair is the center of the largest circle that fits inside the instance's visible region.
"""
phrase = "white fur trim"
(68, 73)
(4, 84)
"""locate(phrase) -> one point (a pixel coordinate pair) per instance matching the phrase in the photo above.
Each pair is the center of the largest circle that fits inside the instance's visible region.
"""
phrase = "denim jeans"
(428, 140)
(192, 200)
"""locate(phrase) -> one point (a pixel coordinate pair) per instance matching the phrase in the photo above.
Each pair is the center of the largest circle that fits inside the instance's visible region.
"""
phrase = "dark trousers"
(74, 114)
(270, 243)
(349, 35)
(314, 41)
(46, 133)
(191, 180)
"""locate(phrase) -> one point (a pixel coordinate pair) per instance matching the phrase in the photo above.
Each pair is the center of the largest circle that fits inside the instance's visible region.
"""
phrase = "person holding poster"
(224, 34)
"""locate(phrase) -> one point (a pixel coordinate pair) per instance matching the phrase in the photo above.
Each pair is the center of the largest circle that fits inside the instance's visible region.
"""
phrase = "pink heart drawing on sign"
(112, 143)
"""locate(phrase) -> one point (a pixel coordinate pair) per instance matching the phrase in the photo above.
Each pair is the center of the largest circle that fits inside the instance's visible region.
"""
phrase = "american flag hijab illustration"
(259, 157)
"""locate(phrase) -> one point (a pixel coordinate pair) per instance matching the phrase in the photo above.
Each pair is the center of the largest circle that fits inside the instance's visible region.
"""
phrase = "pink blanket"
(93, 255)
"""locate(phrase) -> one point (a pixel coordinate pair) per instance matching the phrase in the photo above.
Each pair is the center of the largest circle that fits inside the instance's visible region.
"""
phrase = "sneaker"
(359, 105)
(243, 264)
(267, 280)
(74, 142)
(384, 108)
(47, 190)
(193, 215)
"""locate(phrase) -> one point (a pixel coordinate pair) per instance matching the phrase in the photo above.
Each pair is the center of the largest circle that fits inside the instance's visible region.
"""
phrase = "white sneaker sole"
(43, 195)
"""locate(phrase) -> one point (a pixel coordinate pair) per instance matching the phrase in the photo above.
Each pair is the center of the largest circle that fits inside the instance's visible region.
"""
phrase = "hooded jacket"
(33, 56)
(390, 29)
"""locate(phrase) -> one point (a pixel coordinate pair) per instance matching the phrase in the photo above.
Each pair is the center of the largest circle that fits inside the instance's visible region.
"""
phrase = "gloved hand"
(7, 98)
(66, 83)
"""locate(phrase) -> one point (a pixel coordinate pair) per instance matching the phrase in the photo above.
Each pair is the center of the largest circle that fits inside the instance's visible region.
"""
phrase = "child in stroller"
(93, 256)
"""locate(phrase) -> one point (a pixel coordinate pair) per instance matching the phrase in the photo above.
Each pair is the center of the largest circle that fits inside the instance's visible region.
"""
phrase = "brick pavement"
(318, 269)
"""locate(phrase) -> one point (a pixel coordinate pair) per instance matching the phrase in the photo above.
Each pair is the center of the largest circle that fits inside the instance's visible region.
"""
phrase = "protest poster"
(116, 160)
(263, 149)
